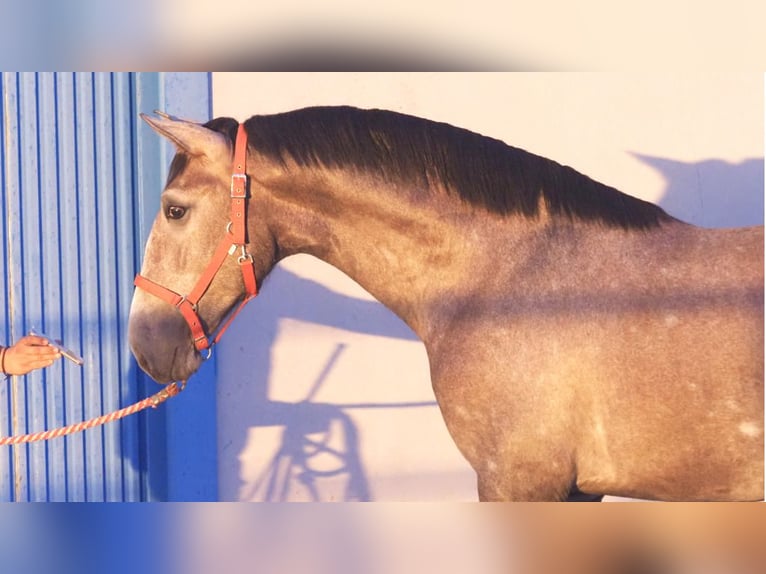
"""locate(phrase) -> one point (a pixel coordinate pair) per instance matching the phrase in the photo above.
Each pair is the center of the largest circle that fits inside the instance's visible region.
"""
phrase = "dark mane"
(478, 169)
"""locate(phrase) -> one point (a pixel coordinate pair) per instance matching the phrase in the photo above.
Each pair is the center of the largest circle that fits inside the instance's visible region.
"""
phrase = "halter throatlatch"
(234, 241)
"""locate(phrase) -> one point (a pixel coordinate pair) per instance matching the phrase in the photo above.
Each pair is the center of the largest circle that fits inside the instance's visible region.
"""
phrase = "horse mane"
(480, 170)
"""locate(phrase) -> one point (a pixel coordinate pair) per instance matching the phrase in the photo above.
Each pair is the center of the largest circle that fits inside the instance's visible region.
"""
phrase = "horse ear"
(190, 137)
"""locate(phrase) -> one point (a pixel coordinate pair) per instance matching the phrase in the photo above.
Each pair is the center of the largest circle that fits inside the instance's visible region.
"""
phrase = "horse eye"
(175, 212)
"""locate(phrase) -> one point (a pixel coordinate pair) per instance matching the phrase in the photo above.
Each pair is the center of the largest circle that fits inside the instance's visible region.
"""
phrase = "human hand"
(29, 353)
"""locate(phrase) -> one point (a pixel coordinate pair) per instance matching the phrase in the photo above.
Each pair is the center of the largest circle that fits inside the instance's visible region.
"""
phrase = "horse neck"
(407, 247)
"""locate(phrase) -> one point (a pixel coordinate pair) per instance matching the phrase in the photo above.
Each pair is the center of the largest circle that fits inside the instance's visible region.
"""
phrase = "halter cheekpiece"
(234, 240)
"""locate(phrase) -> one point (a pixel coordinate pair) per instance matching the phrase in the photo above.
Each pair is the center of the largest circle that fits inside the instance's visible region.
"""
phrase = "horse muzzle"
(162, 346)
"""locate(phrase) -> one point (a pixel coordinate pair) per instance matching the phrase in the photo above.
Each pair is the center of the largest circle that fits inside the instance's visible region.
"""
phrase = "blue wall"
(81, 177)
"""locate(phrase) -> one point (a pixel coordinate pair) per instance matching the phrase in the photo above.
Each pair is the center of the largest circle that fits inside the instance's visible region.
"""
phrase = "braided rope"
(169, 391)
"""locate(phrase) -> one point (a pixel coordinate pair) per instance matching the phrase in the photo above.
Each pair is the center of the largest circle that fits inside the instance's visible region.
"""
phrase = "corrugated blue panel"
(80, 183)
(68, 258)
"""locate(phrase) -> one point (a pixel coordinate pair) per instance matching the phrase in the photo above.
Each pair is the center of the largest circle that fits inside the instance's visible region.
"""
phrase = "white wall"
(692, 143)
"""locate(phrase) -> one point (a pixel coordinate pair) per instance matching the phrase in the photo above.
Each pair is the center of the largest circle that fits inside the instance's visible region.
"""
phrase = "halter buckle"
(238, 191)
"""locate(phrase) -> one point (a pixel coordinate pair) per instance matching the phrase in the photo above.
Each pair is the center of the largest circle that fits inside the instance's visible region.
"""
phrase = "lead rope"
(170, 390)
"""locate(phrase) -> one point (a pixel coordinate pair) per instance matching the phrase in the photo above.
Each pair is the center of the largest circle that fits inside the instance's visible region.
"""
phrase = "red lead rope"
(169, 391)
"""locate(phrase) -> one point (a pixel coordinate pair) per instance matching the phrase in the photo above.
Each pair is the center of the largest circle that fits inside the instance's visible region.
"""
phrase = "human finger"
(43, 351)
(33, 340)
(32, 365)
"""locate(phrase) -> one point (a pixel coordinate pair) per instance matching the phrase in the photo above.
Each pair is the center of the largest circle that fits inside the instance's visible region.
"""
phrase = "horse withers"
(580, 340)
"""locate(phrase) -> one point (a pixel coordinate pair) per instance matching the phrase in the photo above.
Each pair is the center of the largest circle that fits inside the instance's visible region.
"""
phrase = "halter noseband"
(235, 239)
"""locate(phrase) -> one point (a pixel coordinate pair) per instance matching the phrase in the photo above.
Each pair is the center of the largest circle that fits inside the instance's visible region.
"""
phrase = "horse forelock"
(177, 167)
(479, 170)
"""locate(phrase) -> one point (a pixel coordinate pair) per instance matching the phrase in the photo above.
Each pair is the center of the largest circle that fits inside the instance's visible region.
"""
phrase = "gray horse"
(579, 339)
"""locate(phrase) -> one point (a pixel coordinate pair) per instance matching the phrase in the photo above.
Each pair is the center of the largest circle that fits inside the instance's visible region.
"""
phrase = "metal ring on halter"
(228, 228)
(209, 353)
(244, 257)
(183, 300)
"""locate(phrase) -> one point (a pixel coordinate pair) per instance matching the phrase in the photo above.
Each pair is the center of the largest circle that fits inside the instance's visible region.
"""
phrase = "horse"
(581, 342)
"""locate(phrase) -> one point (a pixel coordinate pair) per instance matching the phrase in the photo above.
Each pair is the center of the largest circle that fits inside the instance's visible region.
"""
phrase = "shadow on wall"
(318, 441)
(307, 457)
(318, 444)
(713, 192)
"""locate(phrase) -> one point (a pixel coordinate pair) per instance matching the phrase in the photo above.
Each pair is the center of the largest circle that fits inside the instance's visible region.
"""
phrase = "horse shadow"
(712, 192)
(318, 441)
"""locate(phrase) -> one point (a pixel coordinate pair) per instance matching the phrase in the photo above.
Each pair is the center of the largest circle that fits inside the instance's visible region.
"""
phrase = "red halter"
(234, 239)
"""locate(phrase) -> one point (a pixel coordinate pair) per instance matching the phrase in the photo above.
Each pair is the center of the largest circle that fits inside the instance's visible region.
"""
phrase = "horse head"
(193, 228)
